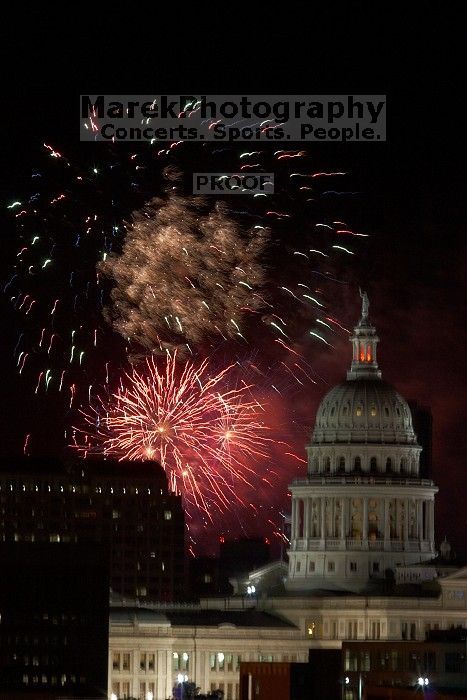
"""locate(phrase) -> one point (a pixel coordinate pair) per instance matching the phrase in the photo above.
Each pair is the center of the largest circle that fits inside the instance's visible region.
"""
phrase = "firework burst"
(206, 435)
(186, 273)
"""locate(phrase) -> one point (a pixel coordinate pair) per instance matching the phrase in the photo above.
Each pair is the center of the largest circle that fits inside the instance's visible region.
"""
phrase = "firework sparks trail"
(206, 435)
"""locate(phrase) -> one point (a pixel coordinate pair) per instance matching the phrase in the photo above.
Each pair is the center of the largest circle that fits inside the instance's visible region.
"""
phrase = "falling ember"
(206, 435)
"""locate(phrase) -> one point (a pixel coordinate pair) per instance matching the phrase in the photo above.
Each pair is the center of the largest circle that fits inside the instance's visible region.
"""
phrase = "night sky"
(412, 188)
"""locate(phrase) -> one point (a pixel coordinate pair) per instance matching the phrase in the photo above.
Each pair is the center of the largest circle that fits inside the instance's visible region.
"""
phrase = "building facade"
(126, 505)
(150, 648)
(362, 509)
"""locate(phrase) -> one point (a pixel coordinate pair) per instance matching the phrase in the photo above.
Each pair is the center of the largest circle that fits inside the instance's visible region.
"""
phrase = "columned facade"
(362, 508)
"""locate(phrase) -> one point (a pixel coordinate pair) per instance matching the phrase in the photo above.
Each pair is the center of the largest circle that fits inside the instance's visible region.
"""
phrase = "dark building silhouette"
(244, 554)
(422, 420)
(54, 620)
(125, 504)
(206, 578)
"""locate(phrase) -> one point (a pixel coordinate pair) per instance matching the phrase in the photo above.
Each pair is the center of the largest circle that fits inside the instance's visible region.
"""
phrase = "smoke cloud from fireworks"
(187, 273)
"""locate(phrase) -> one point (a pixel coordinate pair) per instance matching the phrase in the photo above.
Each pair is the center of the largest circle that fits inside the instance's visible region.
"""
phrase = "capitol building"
(363, 510)
(361, 568)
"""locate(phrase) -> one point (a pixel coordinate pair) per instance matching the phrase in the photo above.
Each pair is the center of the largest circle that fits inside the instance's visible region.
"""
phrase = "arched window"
(314, 464)
(388, 464)
(373, 464)
(357, 464)
(362, 352)
(342, 464)
(359, 411)
(369, 354)
(403, 464)
(333, 410)
(345, 410)
(373, 411)
(327, 464)
(386, 411)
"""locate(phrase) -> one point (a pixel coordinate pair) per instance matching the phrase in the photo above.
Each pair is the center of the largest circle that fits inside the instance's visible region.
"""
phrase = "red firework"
(206, 435)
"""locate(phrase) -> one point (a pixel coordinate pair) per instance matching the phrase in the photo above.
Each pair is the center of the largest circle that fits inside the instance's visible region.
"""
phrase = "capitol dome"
(363, 424)
(364, 410)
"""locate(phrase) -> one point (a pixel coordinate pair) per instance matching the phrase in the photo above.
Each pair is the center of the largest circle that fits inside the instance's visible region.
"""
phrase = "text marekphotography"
(276, 118)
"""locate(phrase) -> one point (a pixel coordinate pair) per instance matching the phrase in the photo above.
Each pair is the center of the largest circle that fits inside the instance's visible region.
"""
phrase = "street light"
(423, 681)
(250, 590)
(149, 695)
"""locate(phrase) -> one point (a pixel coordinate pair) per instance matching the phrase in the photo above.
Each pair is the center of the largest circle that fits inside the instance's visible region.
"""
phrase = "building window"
(375, 567)
(125, 662)
(359, 411)
(311, 566)
(357, 463)
(353, 566)
(373, 464)
(429, 661)
(167, 515)
(116, 661)
(342, 464)
(365, 661)
(327, 464)
(375, 629)
(454, 662)
(389, 464)
(207, 578)
(373, 411)
(350, 660)
(180, 661)
(352, 629)
(331, 566)
(395, 660)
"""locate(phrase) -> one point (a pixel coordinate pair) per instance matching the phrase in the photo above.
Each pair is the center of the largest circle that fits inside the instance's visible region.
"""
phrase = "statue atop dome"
(365, 304)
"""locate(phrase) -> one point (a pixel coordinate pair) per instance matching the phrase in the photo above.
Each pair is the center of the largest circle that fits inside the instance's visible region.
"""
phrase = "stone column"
(293, 534)
(419, 520)
(406, 520)
(387, 525)
(365, 519)
(431, 510)
(344, 503)
(322, 510)
(306, 518)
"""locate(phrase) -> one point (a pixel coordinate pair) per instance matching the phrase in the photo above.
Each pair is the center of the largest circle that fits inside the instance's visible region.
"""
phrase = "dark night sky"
(414, 183)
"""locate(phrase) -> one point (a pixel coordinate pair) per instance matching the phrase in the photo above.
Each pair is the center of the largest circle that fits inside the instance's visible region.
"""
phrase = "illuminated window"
(126, 662)
(369, 356)
(331, 566)
(373, 411)
(359, 411)
(167, 515)
(207, 578)
(362, 352)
